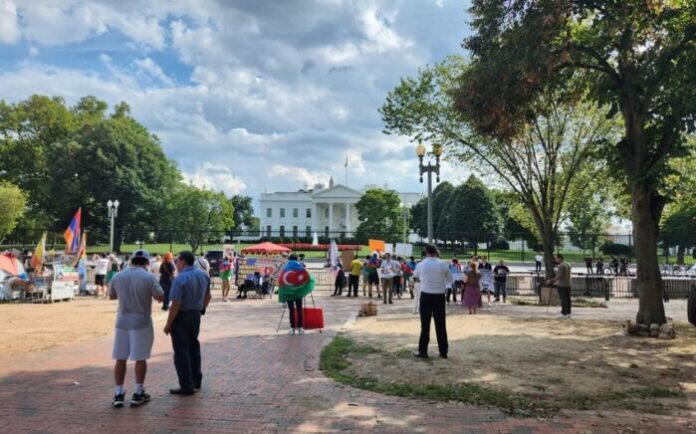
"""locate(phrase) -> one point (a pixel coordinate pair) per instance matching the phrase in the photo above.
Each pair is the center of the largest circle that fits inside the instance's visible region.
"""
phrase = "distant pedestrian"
(599, 266)
(411, 283)
(226, 277)
(340, 280)
(562, 284)
(455, 269)
(101, 269)
(434, 277)
(134, 288)
(472, 290)
(406, 273)
(166, 277)
(538, 259)
(373, 265)
(190, 295)
(356, 267)
(623, 266)
(588, 265)
(614, 264)
(501, 272)
(388, 270)
(155, 264)
(486, 282)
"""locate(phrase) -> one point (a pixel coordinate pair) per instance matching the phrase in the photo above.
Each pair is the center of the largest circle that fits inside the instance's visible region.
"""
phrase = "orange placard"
(376, 246)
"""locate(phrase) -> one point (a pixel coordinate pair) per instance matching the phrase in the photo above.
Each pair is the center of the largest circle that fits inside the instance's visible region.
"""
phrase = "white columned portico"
(315, 218)
(348, 230)
(331, 219)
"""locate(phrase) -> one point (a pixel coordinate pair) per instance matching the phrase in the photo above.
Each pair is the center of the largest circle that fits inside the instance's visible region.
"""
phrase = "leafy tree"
(380, 215)
(14, 203)
(197, 213)
(442, 194)
(472, 211)
(517, 223)
(64, 158)
(679, 224)
(243, 213)
(538, 165)
(589, 209)
(635, 57)
(419, 217)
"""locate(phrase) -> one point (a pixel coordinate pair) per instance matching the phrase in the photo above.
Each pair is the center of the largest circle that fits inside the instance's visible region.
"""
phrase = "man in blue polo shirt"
(189, 296)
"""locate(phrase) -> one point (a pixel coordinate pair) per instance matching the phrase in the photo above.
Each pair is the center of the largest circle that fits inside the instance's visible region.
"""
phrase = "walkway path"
(255, 381)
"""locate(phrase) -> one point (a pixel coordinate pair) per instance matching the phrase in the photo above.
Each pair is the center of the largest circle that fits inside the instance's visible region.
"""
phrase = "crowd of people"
(392, 277)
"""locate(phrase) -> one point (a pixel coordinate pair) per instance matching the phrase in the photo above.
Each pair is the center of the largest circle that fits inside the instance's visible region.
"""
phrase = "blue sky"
(246, 96)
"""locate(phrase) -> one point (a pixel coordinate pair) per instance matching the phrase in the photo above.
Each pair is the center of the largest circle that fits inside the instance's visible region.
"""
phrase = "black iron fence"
(512, 248)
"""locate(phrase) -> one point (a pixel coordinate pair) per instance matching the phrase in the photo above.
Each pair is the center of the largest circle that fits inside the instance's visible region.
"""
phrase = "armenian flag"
(37, 258)
(72, 233)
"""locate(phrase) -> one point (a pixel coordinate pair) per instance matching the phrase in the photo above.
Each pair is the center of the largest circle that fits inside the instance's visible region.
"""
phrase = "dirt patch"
(572, 364)
(34, 327)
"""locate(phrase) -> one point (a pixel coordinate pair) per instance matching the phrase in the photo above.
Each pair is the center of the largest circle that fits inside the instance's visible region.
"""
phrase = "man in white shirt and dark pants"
(434, 277)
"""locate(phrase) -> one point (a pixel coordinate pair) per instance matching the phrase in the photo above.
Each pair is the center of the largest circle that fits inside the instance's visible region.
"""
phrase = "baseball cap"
(141, 253)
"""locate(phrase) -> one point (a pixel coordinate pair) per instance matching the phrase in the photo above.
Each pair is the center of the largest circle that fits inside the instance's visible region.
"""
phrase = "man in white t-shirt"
(102, 267)
(155, 264)
(388, 270)
(538, 259)
(434, 277)
(134, 288)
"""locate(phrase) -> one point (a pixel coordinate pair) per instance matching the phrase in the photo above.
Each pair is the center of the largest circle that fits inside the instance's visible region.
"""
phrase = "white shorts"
(133, 344)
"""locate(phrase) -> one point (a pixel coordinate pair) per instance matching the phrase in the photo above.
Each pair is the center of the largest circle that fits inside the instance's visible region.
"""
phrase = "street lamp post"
(429, 169)
(112, 206)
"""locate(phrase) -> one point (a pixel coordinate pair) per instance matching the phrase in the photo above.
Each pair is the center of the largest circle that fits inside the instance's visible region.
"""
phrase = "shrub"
(500, 245)
(617, 249)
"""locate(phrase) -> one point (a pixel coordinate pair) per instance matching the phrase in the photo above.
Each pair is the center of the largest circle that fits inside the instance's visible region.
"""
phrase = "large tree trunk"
(680, 254)
(548, 243)
(646, 209)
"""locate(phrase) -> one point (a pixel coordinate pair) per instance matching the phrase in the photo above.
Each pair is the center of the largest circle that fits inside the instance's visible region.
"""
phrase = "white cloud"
(304, 176)
(33, 51)
(9, 31)
(153, 69)
(216, 177)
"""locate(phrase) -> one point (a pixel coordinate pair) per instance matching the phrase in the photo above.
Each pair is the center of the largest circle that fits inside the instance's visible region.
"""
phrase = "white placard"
(404, 249)
(389, 248)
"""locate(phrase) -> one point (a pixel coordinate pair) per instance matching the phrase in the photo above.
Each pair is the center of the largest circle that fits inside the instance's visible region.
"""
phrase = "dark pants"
(453, 291)
(166, 287)
(564, 295)
(537, 267)
(353, 283)
(500, 287)
(396, 286)
(338, 287)
(295, 305)
(187, 349)
(432, 305)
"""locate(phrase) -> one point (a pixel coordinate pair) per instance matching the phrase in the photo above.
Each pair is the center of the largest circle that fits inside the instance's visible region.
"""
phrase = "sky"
(246, 96)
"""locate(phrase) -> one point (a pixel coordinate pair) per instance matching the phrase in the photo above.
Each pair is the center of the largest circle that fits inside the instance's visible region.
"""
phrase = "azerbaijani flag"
(294, 282)
(37, 258)
(72, 233)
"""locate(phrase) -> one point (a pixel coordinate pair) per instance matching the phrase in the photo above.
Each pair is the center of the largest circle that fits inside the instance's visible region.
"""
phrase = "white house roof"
(337, 192)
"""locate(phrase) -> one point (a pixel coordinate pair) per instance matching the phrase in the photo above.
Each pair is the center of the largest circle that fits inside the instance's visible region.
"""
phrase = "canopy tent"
(10, 264)
(265, 249)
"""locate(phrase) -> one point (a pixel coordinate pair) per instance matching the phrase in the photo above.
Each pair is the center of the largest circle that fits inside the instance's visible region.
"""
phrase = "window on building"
(308, 231)
(326, 232)
(326, 213)
(269, 212)
(268, 231)
(294, 231)
(295, 212)
(282, 213)
(282, 231)
(343, 213)
(309, 213)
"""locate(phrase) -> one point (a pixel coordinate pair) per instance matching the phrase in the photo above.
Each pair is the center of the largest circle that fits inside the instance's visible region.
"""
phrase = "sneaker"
(300, 331)
(291, 331)
(118, 400)
(139, 399)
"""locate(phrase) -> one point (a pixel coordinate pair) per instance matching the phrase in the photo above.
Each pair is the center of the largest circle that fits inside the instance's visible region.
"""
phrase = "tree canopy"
(633, 58)
(13, 202)
(380, 215)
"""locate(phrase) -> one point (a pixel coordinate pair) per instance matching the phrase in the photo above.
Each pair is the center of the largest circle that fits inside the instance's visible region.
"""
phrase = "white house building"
(319, 210)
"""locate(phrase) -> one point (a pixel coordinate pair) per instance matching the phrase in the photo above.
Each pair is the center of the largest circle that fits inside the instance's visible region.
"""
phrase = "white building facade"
(325, 211)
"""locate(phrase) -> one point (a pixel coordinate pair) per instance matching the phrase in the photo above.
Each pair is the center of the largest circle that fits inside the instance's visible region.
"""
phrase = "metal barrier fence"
(523, 284)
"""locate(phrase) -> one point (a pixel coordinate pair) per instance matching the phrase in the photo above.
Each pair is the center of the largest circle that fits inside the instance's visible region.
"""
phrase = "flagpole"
(346, 167)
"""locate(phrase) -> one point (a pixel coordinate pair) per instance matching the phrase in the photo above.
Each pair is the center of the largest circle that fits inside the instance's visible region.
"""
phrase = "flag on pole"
(72, 233)
(82, 253)
(37, 258)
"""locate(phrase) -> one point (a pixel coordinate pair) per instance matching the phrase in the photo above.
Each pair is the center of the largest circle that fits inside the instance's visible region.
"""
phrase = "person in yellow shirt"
(354, 277)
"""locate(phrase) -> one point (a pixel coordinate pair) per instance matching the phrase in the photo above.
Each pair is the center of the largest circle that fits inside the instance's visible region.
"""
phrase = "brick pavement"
(254, 381)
